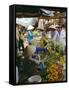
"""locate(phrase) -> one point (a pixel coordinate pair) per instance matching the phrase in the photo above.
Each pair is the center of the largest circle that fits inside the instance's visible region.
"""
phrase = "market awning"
(26, 21)
(35, 11)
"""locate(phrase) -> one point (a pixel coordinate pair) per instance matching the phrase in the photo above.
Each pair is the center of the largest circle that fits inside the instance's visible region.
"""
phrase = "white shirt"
(49, 34)
(63, 36)
(56, 36)
(60, 38)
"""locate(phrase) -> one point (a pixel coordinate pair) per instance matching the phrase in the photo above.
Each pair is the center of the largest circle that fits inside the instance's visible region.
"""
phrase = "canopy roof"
(35, 11)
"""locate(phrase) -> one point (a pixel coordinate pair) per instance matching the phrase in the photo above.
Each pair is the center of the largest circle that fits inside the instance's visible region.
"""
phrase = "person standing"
(54, 33)
(63, 35)
(21, 40)
(41, 23)
(30, 34)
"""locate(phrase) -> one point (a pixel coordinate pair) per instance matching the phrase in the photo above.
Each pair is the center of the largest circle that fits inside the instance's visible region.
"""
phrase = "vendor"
(30, 34)
(62, 35)
(41, 23)
(32, 52)
(62, 32)
(21, 40)
(54, 33)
